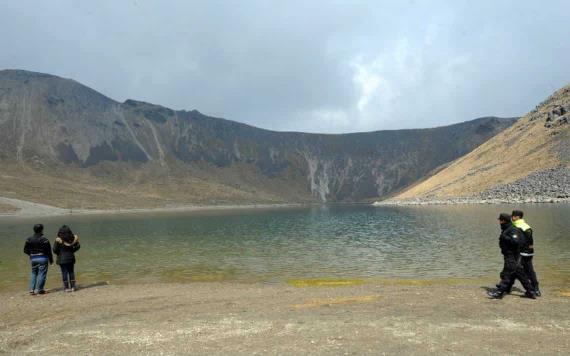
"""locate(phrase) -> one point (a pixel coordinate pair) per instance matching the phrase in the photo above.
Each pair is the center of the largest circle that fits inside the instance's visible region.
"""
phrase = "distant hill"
(65, 144)
(527, 162)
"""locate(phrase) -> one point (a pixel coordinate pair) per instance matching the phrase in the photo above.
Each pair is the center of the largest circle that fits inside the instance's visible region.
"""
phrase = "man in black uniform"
(527, 249)
(509, 244)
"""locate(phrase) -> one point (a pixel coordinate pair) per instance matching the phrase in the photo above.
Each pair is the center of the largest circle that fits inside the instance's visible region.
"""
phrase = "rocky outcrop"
(538, 186)
(54, 122)
(558, 116)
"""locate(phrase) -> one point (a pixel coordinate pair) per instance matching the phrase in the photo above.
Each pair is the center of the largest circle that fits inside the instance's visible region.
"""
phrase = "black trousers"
(68, 275)
(513, 270)
(526, 262)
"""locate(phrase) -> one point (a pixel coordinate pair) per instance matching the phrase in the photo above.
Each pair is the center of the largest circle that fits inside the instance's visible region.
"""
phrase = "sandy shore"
(231, 318)
(26, 209)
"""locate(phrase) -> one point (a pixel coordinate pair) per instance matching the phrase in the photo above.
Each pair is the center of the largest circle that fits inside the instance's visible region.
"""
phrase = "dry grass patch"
(111, 186)
(7, 209)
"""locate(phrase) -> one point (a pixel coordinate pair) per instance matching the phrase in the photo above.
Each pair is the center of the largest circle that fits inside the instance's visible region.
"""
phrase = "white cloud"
(368, 83)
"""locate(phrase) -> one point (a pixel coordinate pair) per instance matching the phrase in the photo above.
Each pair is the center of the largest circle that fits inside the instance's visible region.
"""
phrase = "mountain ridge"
(50, 123)
(135, 102)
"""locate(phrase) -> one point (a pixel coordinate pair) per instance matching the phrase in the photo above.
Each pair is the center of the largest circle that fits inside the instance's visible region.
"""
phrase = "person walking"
(65, 246)
(39, 250)
(527, 249)
(509, 241)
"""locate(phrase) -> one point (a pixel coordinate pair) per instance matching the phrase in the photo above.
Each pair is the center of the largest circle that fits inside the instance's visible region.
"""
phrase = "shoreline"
(468, 201)
(234, 318)
(27, 209)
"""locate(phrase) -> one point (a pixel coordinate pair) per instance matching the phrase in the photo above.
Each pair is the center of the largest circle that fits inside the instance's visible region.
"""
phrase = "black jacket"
(38, 245)
(510, 239)
(66, 251)
(527, 248)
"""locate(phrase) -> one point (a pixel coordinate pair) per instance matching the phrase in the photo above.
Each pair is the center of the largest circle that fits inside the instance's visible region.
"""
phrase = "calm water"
(281, 244)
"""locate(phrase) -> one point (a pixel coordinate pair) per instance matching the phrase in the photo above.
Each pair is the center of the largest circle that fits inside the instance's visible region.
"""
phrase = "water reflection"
(277, 245)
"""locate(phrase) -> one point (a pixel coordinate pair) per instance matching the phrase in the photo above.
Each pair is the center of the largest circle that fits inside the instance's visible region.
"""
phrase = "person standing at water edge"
(39, 250)
(527, 249)
(509, 241)
(65, 246)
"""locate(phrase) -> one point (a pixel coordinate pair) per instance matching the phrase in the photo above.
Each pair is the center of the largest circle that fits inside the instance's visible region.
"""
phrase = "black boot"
(498, 285)
(530, 294)
(495, 294)
(537, 292)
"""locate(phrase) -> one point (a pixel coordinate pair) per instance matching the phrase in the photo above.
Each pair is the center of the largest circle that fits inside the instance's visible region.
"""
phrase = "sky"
(312, 66)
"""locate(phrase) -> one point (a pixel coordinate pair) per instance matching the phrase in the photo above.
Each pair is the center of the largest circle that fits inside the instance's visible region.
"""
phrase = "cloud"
(368, 83)
(312, 66)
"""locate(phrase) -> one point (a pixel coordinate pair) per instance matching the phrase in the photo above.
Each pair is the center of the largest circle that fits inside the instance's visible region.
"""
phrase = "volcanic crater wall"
(56, 121)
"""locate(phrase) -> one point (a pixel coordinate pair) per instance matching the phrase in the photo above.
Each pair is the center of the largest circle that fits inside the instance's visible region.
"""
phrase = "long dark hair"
(65, 234)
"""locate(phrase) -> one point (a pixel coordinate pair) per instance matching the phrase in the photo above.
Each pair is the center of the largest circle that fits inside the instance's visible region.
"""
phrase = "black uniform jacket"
(510, 238)
(528, 247)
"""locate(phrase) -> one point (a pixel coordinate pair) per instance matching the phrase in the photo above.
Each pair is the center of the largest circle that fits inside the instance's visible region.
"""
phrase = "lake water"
(327, 242)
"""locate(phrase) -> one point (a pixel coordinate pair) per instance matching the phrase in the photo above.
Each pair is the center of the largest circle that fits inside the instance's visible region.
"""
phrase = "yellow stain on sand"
(324, 282)
(319, 302)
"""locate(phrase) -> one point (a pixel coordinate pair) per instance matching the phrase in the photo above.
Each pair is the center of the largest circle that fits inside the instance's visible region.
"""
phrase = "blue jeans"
(39, 273)
(68, 275)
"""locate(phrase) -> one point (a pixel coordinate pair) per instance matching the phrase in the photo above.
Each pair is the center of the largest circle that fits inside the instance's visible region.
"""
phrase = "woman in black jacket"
(65, 246)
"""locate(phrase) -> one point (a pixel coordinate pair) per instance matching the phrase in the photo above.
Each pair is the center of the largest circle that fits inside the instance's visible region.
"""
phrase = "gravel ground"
(405, 317)
(549, 184)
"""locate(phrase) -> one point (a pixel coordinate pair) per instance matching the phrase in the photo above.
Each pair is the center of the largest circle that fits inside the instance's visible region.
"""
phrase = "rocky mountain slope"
(528, 162)
(66, 144)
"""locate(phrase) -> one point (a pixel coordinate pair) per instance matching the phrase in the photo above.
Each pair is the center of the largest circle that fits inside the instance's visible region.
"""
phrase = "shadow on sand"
(81, 287)
(492, 289)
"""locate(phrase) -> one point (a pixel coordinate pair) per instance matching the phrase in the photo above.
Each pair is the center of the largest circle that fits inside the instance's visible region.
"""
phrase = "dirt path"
(26, 208)
(219, 318)
(7, 208)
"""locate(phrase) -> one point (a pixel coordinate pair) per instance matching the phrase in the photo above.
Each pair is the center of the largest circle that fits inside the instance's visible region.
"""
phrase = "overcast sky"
(316, 66)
